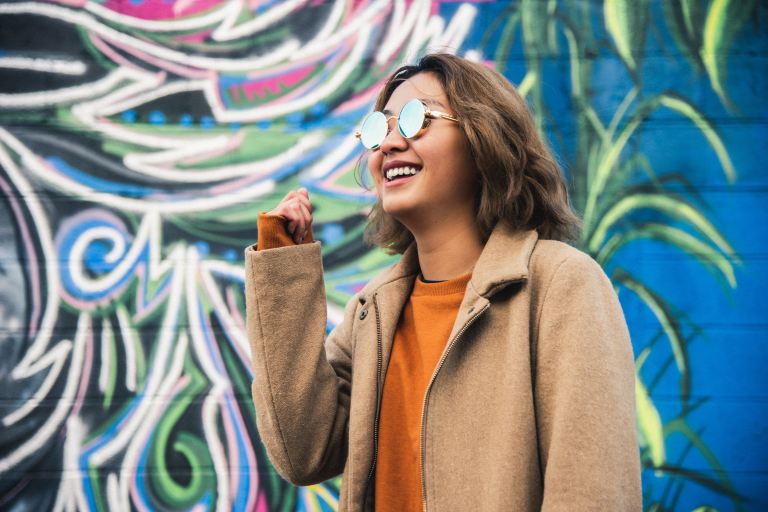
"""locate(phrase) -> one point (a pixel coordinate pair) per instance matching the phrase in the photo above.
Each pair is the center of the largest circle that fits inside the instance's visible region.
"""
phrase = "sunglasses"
(413, 120)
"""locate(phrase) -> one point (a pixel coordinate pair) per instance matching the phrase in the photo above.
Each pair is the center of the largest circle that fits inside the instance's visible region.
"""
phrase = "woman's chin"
(405, 214)
(396, 208)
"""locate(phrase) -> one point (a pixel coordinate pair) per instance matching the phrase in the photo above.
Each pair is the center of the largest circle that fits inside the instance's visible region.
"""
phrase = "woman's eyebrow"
(427, 101)
(433, 102)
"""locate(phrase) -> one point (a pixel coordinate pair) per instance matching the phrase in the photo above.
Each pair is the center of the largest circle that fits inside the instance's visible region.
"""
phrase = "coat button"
(363, 314)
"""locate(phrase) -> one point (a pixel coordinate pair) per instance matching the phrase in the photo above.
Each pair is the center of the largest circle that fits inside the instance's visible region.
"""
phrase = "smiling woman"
(518, 178)
(493, 356)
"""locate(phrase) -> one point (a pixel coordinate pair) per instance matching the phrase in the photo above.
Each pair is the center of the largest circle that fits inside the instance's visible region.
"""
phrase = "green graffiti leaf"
(506, 40)
(191, 448)
(685, 108)
(707, 255)
(684, 19)
(649, 424)
(678, 425)
(534, 21)
(611, 152)
(667, 204)
(668, 322)
(724, 19)
(704, 480)
(693, 12)
(627, 23)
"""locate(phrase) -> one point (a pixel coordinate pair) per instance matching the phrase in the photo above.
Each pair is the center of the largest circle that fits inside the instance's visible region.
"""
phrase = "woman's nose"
(394, 140)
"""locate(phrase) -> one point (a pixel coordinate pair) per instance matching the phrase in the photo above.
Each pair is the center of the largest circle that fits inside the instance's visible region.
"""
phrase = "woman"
(490, 368)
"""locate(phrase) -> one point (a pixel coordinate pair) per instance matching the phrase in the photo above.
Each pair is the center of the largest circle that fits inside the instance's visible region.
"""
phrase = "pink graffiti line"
(275, 84)
(197, 37)
(71, 3)
(261, 504)
(330, 184)
(158, 9)
(240, 184)
(181, 6)
(330, 63)
(34, 269)
(254, 4)
(86, 375)
(174, 68)
(144, 309)
(359, 100)
(234, 311)
(229, 421)
(137, 499)
(112, 54)
(234, 459)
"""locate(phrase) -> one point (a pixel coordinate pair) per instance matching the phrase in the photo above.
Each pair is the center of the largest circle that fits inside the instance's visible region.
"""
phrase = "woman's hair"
(520, 182)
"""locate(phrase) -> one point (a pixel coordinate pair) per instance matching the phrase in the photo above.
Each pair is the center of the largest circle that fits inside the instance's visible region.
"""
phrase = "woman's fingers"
(307, 220)
(303, 197)
(281, 206)
(301, 222)
(292, 224)
(297, 210)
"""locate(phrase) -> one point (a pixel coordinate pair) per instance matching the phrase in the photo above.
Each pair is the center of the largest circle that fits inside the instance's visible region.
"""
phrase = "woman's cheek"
(374, 166)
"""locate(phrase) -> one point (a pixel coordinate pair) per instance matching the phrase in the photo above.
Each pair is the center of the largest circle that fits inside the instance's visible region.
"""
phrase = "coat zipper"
(379, 358)
(426, 402)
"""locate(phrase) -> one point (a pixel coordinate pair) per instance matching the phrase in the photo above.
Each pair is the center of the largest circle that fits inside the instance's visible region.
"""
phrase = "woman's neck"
(448, 251)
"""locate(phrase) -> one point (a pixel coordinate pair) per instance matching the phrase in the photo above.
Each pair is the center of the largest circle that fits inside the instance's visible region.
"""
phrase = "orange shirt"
(420, 338)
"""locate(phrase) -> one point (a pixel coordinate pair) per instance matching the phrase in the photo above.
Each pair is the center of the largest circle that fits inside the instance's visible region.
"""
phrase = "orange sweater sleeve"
(273, 232)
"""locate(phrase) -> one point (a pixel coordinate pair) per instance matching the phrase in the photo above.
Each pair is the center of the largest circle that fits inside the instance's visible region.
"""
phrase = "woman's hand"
(297, 210)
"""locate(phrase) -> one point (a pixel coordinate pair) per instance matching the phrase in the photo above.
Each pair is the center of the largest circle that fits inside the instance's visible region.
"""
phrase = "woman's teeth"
(401, 171)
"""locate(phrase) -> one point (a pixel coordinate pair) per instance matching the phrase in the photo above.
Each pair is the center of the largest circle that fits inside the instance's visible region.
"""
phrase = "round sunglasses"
(413, 119)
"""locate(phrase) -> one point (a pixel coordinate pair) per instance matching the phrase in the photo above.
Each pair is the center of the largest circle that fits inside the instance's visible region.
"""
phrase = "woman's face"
(446, 182)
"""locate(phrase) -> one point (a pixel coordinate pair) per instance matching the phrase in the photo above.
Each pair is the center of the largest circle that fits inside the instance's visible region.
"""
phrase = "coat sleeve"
(301, 381)
(584, 393)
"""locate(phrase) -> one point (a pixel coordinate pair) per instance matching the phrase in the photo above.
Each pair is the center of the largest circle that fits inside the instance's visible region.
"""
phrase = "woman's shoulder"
(555, 259)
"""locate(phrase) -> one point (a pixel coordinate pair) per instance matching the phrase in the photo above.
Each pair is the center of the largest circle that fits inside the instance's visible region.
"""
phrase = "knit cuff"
(273, 232)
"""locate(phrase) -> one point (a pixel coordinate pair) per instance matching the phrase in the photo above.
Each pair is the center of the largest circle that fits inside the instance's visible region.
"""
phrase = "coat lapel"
(504, 260)
(389, 299)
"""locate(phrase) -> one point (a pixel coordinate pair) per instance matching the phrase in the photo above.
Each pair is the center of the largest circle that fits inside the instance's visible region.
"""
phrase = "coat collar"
(504, 260)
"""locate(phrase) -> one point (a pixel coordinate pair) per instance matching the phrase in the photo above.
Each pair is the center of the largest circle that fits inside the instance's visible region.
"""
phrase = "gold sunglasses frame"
(428, 116)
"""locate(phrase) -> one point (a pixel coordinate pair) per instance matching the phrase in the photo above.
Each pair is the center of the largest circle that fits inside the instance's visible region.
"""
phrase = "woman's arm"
(584, 392)
(301, 386)
(301, 383)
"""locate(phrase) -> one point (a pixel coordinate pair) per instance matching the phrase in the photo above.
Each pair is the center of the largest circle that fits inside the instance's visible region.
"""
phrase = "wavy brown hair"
(520, 181)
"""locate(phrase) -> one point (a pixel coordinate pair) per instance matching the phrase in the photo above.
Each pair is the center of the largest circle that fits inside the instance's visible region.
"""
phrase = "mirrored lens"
(411, 118)
(374, 130)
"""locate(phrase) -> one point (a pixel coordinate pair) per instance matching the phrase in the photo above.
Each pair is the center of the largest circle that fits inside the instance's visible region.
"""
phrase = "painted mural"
(139, 139)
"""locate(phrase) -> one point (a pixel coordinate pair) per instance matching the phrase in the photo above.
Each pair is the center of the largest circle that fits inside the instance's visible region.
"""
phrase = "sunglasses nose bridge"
(392, 129)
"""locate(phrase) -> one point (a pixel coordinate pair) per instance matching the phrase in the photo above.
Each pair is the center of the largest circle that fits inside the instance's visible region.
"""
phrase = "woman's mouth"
(397, 173)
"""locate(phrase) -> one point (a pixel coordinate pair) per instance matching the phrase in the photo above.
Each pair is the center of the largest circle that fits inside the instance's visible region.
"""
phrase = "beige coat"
(531, 406)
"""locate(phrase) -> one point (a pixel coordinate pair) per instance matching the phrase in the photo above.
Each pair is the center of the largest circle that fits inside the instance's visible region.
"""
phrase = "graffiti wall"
(139, 140)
